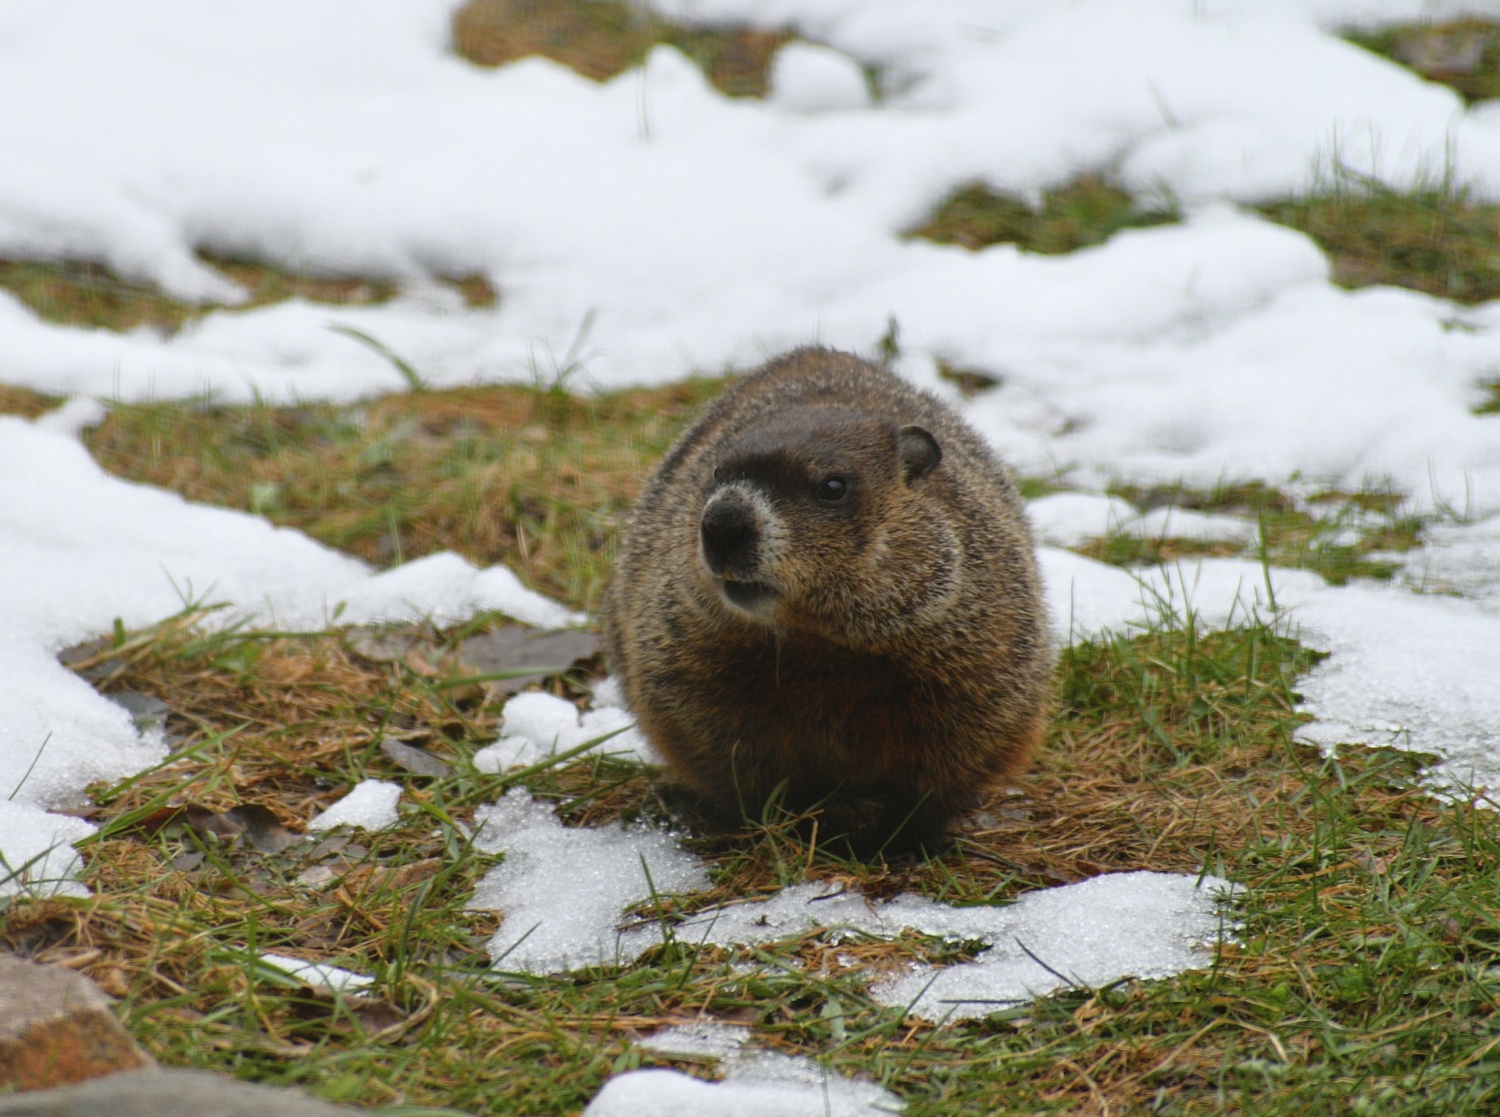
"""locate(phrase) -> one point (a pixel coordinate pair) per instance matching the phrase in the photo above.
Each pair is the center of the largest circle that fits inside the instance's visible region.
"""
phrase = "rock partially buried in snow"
(370, 806)
(806, 77)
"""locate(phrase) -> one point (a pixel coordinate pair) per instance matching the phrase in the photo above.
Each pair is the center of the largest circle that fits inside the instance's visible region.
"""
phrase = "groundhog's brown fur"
(829, 586)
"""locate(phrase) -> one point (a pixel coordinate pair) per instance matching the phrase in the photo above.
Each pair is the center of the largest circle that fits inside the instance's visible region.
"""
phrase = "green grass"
(1082, 213)
(83, 293)
(1490, 406)
(1339, 535)
(1463, 54)
(531, 477)
(1433, 239)
(1363, 977)
(1359, 982)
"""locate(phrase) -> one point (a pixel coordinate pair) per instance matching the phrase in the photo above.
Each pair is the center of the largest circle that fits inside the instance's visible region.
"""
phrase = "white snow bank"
(1089, 934)
(806, 77)
(1118, 925)
(369, 805)
(1069, 519)
(754, 1082)
(730, 229)
(1461, 559)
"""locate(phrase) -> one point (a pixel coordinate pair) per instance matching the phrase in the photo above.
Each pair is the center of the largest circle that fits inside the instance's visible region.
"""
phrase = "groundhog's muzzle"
(731, 535)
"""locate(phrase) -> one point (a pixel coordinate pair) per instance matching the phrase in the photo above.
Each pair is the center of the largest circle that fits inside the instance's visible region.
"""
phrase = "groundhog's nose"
(729, 539)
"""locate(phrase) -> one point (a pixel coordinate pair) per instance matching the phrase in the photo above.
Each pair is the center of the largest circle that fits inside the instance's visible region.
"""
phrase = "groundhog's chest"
(824, 712)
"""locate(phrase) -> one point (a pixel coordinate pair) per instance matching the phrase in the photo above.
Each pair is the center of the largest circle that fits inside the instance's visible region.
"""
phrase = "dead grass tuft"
(1135, 550)
(1078, 215)
(1434, 240)
(600, 39)
(83, 293)
(25, 403)
(1463, 54)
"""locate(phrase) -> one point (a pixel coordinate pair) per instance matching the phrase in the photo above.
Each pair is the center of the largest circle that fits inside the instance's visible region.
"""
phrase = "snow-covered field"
(693, 232)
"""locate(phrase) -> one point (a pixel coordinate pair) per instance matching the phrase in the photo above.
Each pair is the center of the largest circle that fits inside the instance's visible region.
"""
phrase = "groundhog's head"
(816, 520)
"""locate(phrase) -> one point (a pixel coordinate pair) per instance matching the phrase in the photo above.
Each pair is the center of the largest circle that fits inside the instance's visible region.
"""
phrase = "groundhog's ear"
(919, 453)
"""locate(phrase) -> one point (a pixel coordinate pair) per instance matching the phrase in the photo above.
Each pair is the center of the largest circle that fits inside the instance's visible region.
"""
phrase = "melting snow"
(754, 1082)
(773, 1086)
(534, 726)
(319, 973)
(564, 891)
(735, 228)
(36, 851)
(370, 805)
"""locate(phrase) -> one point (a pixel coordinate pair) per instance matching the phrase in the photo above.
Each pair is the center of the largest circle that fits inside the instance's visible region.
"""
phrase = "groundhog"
(828, 597)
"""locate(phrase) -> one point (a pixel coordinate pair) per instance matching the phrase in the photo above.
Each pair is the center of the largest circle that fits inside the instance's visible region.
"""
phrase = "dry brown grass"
(602, 38)
(85, 293)
(1076, 215)
(24, 402)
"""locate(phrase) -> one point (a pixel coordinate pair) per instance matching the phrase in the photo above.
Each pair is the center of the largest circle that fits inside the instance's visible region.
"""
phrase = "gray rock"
(169, 1093)
(57, 1026)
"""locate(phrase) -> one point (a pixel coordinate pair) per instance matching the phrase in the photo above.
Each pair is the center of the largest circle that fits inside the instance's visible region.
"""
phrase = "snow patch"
(319, 973)
(37, 857)
(535, 726)
(806, 77)
(370, 805)
(563, 891)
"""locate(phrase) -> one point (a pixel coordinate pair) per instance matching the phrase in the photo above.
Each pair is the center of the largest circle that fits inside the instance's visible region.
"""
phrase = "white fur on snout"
(770, 531)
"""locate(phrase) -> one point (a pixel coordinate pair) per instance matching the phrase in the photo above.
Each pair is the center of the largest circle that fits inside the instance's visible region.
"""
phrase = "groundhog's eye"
(831, 490)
